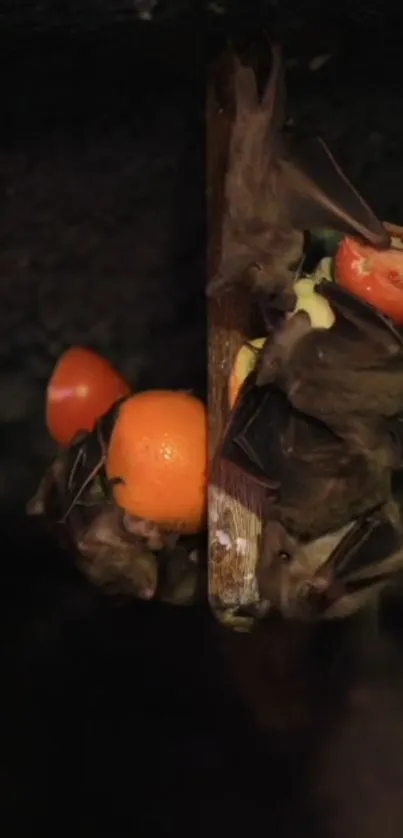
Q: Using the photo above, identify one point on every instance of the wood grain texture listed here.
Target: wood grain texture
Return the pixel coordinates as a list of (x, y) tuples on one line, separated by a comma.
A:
[(234, 502)]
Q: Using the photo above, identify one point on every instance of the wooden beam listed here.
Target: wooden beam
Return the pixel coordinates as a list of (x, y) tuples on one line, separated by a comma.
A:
[(235, 503)]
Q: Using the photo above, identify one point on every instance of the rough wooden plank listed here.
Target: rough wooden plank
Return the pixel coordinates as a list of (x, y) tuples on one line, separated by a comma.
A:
[(234, 502)]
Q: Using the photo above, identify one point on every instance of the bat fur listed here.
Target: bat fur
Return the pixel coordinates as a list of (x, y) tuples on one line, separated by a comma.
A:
[(320, 422), (275, 188), (121, 553)]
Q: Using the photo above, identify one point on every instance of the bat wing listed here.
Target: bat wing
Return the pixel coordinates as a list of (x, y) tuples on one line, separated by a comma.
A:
[(85, 463), (277, 445), (351, 372), (272, 190), (319, 194), (255, 145), (259, 120), (274, 96), (251, 211), (361, 321), (368, 555)]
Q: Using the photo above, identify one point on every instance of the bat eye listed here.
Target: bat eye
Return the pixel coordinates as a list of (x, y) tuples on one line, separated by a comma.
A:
[(284, 556)]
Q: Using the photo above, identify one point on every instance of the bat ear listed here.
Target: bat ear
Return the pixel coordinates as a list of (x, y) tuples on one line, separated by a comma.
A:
[(320, 195), (246, 76), (371, 557), (234, 84), (258, 119)]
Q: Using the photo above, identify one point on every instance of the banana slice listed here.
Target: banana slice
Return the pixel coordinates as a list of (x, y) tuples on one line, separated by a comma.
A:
[(317, 308)]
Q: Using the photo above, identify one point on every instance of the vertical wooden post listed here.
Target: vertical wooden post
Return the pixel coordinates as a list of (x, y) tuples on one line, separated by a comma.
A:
[(235, 503)]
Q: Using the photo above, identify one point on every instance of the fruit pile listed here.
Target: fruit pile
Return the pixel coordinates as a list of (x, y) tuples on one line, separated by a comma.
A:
[(130, 477), (156, 457), (373, 276)]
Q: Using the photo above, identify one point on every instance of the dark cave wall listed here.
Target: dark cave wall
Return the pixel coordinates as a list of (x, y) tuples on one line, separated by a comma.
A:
[(355, 101)]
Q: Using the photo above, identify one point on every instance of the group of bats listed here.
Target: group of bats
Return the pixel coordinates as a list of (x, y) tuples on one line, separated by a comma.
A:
[(116, 551), (320, 420)]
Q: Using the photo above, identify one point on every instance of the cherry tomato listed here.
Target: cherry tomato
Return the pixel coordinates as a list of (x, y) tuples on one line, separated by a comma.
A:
[(376, 276), (82, 388)]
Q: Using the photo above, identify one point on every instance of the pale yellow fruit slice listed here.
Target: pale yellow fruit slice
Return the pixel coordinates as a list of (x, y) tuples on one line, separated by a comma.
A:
[(317, 308), (243, 365)]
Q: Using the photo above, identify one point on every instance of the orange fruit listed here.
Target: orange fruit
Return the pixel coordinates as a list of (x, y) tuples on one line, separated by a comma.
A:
[(158, 449), (83, 387)]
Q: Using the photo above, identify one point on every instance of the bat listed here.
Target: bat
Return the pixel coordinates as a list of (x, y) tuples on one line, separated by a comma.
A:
[(74, 497), (76, 480), (111, 558), (275, 188), (335, 574), (350, 376), (333, 533), (115, 550), (319, 424), (315, 480)]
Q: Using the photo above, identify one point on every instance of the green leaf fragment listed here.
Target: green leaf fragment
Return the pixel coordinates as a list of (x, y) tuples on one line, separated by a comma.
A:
[(327, 240)]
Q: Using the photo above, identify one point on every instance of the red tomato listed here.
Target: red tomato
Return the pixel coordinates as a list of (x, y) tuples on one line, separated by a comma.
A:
[(376, 276), (82, 388)]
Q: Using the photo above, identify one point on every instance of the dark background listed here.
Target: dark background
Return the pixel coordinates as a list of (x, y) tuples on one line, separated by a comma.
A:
[(118, 719)]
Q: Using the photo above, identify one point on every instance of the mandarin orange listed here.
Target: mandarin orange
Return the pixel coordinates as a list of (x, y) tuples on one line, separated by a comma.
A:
[(158, 449)]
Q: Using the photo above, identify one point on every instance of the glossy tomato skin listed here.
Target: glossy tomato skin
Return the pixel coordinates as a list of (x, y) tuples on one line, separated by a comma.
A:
[(82, 388), (374, 276)]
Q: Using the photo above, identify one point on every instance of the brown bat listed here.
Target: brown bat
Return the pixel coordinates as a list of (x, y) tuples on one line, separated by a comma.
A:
[(114, 549), (349, 377), (275, 188), (333, 531), (319, 423), (335, 574), (73, 498)]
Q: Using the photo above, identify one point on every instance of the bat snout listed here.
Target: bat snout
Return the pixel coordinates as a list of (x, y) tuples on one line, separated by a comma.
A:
[(311, 599)]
